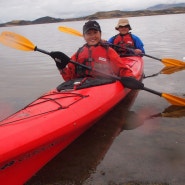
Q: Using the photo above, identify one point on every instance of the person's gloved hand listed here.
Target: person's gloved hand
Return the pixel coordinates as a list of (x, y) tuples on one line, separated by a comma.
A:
[(60, 58)]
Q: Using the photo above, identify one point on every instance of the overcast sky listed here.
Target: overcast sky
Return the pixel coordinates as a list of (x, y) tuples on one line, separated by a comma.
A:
[(34, 9)]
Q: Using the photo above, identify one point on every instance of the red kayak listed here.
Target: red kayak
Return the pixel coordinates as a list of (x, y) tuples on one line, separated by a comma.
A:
[(35, 134)]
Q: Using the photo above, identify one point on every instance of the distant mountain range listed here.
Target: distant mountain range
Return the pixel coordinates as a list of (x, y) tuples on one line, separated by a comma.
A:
[(165, 6), (159, 9)]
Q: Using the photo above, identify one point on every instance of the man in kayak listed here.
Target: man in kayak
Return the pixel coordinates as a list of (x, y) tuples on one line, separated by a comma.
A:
[(126, 43), (95, 54)]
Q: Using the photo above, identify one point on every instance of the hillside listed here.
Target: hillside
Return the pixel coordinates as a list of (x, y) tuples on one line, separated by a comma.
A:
[(155, 10), (118, 13)]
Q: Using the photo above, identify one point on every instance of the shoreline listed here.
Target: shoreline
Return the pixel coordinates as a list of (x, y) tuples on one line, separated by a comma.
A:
[(97, 16)]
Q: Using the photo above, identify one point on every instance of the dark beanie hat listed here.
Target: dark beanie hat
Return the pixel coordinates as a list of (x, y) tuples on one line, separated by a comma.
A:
[(91, 25)]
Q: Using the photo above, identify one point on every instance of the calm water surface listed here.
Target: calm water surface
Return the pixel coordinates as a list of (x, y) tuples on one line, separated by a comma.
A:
[(151, 150)]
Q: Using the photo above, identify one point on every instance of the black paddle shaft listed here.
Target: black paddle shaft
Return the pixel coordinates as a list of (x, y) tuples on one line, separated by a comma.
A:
[(130, 49), (128, 82), (41, 50), (152, 91)]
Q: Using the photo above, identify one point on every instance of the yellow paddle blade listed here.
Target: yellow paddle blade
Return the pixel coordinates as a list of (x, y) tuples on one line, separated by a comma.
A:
[(172, 62), (174, 100), (70, 31), (16, 41), (172, 69)]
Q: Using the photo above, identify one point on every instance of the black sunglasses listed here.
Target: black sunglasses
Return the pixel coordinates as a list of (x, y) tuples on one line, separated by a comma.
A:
[(124, 26)]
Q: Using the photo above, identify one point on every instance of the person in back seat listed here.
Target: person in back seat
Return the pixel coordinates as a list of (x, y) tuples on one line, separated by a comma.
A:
[(126, 43)]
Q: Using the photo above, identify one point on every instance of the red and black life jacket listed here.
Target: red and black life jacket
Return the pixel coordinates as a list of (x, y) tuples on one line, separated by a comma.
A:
[(121, 42), (94, 56)]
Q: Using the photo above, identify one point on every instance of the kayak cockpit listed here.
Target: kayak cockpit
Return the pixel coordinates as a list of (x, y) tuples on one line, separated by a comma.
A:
[(82, 83)]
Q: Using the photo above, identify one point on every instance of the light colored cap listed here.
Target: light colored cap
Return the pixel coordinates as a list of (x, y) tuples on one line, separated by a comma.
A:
[(123, 22)]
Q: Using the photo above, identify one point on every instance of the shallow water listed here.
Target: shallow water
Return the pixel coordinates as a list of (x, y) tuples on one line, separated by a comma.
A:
[(141, 141)]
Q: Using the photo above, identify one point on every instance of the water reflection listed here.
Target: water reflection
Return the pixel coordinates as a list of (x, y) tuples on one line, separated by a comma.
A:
[(75, 164), (172, 112), (167, 70), (134, 120)]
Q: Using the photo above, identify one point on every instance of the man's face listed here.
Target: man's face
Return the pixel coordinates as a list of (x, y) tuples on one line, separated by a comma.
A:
[(123, 29)]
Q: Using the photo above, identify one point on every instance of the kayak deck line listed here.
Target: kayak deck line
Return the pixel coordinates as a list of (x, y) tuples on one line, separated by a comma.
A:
[(63, 89), (47, 98), (44, 97)]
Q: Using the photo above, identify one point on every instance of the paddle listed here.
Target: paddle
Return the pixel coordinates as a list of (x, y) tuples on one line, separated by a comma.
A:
[(16, 41), (134, 120), (70, 31), (167, 70), (172, 69), (172, 111), (165, 61)]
